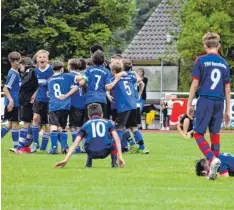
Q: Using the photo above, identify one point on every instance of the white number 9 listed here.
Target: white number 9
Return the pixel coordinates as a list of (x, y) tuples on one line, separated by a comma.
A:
[(215, 78)]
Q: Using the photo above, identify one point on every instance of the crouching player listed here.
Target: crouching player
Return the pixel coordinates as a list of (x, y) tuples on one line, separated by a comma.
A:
[(59, 91), (98, 144), (226, 168)]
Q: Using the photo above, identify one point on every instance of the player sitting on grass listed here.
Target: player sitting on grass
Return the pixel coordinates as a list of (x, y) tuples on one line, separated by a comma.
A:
[(59, 91), (99, 144), (211, 82), (11, 102), (226, 168)]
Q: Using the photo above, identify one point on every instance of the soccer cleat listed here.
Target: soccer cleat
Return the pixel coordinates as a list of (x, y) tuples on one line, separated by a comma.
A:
[(64, 150), (114, 165), (134, 149), (144, 151), (214, 165), (162, 129), (22, 150), (35, 147), (53, 151), (89, 163), (167, 128)]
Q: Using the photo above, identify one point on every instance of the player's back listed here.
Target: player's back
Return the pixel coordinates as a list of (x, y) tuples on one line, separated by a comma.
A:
[(213, 72), (125, 95), (59, 84), (227, 163), (43, 76), (98, 77), (79, 97), (97, 133)]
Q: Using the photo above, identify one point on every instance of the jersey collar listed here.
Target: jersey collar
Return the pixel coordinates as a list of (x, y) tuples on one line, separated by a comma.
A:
[(44, 69), (14, 71), (95, 117)]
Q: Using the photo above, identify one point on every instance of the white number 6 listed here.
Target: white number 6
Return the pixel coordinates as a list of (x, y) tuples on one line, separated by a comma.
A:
[(215, 78)]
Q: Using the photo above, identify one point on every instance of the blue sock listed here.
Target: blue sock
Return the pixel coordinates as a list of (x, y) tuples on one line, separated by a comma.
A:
[(128, 137), (22, 137), (4, 131), (63, 139), (124, 142), (45, 140), (29, 139), (35, 133), (139, 139), (120, 134), (15, 137), (54, 139), (74, 135)]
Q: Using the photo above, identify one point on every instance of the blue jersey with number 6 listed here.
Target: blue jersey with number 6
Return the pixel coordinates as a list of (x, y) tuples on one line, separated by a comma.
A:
[(97, 133), (125, 94), (98, 77), (59, 84), (213, 73)]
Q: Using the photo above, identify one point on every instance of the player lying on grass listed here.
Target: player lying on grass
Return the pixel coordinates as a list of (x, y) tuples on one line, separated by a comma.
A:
[(211, 82), (99, 143), (226, 168)]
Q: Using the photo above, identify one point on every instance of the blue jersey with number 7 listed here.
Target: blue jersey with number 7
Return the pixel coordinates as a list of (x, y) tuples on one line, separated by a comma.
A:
[(98, 77), (213, 73), (60, 84)]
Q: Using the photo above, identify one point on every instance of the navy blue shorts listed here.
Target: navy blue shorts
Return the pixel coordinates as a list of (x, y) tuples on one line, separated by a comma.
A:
[(209, 113), (98, 154)]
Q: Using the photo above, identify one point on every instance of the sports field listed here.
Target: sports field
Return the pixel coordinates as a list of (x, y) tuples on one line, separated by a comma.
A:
[(165, 179)]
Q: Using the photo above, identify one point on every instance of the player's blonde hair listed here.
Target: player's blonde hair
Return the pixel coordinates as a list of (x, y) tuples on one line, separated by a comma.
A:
[(116, 66), (40, 52), (211, 40)]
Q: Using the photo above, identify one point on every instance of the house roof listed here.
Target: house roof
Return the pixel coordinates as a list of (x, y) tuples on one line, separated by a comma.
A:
[(151, 41)]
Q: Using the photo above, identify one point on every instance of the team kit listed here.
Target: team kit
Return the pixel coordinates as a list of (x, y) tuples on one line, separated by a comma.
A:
[(100, 105)]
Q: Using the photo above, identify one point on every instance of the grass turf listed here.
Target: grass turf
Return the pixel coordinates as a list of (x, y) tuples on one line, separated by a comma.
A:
[(164, 179)]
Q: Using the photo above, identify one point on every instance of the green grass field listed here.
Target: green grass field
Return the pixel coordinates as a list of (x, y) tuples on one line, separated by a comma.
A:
[(165, 179)]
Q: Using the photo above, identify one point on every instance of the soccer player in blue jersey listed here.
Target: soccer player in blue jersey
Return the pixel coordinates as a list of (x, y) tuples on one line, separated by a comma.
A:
[(99, 143), (211, 82), (11, 91), (226, 168), (77, 111), (125, 99), (59, 91), (40, 108)]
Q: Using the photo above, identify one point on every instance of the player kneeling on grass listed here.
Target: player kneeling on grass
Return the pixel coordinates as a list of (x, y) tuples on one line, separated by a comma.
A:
[(185, 126), (226, 168), (98, 133)]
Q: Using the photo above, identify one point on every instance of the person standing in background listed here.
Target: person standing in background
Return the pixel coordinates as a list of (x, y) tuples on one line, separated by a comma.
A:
[(141, 73)]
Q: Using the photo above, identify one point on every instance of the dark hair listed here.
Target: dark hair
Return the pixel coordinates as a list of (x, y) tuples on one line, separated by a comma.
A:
[(94, 109), (82, 64), (14, 56), (89, 62), (127, 64), (142, 70), (117, 56), (74, 63), (57, 65), (95, 48), (199, 167), (26, 61), (98, 58)]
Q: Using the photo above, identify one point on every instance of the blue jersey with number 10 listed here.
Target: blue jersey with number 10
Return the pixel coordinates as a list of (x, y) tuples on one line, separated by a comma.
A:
[(213, 72), (59, 84), (97, 133)]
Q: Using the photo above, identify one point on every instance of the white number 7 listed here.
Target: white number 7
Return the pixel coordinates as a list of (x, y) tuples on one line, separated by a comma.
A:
[(98, 80), (215, 77)]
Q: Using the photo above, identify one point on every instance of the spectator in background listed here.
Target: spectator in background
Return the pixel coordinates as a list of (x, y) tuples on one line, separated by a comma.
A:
[(165, 116), (141, 73)]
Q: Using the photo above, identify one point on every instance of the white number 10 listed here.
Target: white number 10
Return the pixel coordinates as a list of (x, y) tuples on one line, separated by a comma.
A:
[(98, 129), (215, 77)]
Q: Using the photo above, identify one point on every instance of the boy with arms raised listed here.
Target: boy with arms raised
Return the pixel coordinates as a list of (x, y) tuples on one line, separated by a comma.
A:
[(11, 102), (211, 82), (98, 144)]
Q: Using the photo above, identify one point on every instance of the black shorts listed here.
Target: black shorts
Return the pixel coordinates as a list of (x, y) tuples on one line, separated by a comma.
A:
[(126, 119), (138, 115), (76, 117), (26, 112), (98, 155), (59, 118), (12, 116), (114, 114), (104, 110), (41, 108)]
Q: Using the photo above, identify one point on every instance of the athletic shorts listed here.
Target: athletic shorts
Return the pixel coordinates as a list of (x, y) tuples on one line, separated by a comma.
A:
[(26, 112), (12, 116), (41, 108), (114, 114), (98, 154), (126, 119), (104, 110), (138, 115), (209, 113), (59, 118), (76, 117)]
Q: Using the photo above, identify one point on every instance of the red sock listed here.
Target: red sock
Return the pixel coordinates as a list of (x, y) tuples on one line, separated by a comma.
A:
[(215, 143)]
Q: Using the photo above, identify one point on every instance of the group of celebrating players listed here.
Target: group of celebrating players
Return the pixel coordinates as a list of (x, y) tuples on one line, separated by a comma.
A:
[(82, 95)]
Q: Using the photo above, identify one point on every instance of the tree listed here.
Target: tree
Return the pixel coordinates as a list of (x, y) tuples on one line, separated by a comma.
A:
[(63, 27), (195, 19)]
